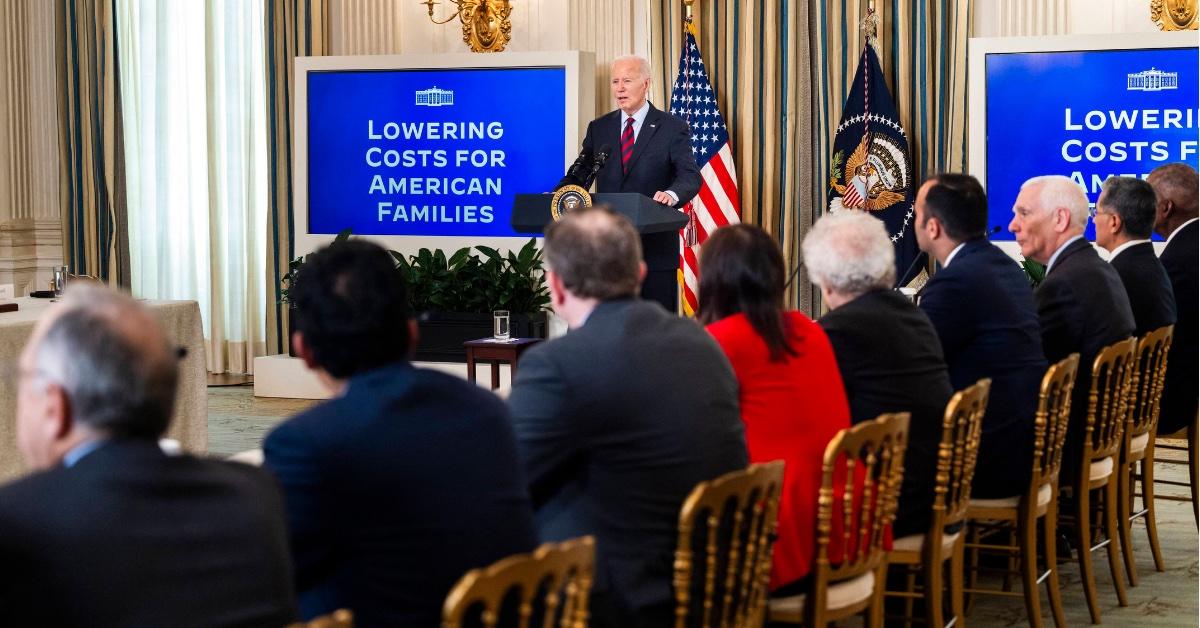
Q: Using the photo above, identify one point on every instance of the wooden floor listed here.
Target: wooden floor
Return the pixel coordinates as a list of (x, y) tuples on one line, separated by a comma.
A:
[(238, 421)]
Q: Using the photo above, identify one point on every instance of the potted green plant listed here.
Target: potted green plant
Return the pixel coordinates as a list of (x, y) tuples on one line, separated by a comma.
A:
[(288, 282)]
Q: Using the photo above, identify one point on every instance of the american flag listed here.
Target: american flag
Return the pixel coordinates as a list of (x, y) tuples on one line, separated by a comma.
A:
[(717, 204)]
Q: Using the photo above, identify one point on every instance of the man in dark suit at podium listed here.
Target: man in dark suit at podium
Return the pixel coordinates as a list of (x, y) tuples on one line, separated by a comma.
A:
[(650, 150), (1176, 220), (1124, 217), (982, 308)]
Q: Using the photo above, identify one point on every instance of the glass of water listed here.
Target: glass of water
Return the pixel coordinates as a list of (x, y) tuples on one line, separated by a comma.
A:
[(60, 280), (500, 324)]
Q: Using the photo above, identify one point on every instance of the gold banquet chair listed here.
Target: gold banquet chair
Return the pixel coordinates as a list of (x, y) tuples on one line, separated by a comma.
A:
[(962, 426), (341, 618), (1137, 445), (1040, 501), (871, 457), (736, 514), (562, 571), (1108, 403), (1191, 451)]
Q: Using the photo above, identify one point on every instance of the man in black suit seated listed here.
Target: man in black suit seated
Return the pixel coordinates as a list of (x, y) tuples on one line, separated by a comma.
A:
[(109, 530), (1081, 303), (650, 150), (1124, 216), (886, 348), (1175, 219), (982, 308), (407, 478), (618, 420)]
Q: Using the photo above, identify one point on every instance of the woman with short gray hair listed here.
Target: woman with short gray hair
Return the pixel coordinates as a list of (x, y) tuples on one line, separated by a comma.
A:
[(847, 254)]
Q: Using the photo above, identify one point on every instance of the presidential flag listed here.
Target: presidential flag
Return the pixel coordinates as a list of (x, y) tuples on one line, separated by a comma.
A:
[(717, 204), (870, 168)]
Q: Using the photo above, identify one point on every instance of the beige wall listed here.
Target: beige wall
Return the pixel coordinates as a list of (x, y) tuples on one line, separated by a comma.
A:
[(30, 230), (1004, 18)]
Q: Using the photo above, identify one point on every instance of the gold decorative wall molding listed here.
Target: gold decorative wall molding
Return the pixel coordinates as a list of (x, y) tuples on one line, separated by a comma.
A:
[(1174, 15)]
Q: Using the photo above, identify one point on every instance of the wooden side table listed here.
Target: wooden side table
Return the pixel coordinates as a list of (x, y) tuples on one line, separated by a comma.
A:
[(497, 351)]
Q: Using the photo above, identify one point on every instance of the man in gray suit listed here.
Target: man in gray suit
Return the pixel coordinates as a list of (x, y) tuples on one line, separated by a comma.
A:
[(619, 419)]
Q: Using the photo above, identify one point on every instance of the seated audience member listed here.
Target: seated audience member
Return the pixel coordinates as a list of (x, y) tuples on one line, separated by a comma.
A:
[(886, 349), (789, 388), (1175, 186), (407, 478), (618, 420), (110, 530), (982, 308), (1124, 217), (1081, 304)]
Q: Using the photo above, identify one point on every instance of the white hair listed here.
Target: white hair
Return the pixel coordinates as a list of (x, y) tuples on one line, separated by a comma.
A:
[(1056, 191), (643, 65), (849, 252)]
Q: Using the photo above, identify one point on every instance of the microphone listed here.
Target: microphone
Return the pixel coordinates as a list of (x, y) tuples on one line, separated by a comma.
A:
[(917, 261), (991, 232), (597, 164), (578, 170), (792, 275)]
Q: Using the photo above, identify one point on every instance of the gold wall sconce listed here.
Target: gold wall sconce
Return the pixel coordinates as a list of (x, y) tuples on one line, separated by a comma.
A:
[(1174, 15), (485, 23)]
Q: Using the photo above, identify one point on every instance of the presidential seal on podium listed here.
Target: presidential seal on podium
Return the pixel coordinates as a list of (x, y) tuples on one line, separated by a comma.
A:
[(569, 198)]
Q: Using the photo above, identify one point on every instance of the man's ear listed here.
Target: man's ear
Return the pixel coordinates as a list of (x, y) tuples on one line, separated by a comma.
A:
[(414, 338), (1061, 219), (303, 351), (59, 421), (641, 272), (1115, 224), (557, 290)]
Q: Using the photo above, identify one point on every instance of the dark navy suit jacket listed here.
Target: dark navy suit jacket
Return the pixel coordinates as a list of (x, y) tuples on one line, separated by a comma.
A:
[(617, 422), (982, 308), (1179, 394), (395, 490), (662, 157), (1083, 308), (1148, 287)]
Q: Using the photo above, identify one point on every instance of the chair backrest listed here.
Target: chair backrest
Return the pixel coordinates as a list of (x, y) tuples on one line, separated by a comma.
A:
[(865, 463), (341, 618), (1150, 361), (1050, 422), (562, 572), (962, 426), (736, 514), (1108, 400)]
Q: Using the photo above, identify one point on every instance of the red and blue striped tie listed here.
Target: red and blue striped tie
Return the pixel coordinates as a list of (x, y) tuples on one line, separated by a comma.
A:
[(626, 145)]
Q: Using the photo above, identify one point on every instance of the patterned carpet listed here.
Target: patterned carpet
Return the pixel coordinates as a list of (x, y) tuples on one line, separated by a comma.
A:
[(238, 421)]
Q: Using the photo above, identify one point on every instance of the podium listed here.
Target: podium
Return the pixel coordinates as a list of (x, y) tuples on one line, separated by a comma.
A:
[(658, 224)]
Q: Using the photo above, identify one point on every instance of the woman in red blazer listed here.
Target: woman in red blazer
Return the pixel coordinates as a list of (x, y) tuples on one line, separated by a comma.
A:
[(791, 393)]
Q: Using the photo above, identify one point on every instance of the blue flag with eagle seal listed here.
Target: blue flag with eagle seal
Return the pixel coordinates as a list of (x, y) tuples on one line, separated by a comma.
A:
[(870, 168)]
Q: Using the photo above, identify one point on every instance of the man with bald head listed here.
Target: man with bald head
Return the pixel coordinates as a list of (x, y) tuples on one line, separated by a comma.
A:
[(1082, 305), (109, 530), (1175, 219)]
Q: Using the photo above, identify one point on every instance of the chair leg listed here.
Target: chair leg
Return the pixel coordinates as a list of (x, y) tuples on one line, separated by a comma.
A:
[(1148, 504), (1012, 561), (972, 568), (1050, 530), (1124, 479), (933, 590), (1194, 475), (1112, 532), (910, 585), (1084, 538), (1027, 541), (956, 585), (874, 617)]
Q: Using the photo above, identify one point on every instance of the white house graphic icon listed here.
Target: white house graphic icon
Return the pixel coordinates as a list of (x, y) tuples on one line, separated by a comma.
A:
[(434, 97), (1152, 80)]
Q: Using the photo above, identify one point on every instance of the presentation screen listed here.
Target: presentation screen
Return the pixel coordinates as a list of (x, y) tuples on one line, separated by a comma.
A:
[(431, 152), (1086, 114)]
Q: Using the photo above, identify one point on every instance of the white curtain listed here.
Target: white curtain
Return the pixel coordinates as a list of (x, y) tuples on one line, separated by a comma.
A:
[(192, 88)]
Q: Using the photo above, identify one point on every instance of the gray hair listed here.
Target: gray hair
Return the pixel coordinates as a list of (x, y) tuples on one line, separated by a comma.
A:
[(1057, 191), (112, 359), (849, 252), (1133, 200), (643, 65)]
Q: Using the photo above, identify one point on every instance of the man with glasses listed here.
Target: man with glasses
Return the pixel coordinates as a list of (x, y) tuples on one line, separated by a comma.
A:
[(1124, 216), (110, 530)]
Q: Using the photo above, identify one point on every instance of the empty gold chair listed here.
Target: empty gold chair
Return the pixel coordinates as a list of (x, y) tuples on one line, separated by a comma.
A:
[(962, 425), (341, 618), (736, 516), (866, 462), (1191, 450), (1137, 445), (563, 571), (1040, 501), (1108, 403)]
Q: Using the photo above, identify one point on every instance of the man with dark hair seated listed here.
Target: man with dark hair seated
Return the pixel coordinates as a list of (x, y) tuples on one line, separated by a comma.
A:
[(407, 478), (982, 307), (110, 530)]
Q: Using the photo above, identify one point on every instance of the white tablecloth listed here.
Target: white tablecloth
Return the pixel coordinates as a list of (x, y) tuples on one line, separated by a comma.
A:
[(180, 319)]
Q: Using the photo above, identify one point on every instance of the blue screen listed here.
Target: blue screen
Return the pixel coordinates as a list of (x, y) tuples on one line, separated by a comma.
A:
[(1086, 115), (431, 152)]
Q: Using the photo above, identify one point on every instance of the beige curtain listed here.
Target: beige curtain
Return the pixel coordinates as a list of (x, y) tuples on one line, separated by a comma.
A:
[(293, 28), (92, 178)]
